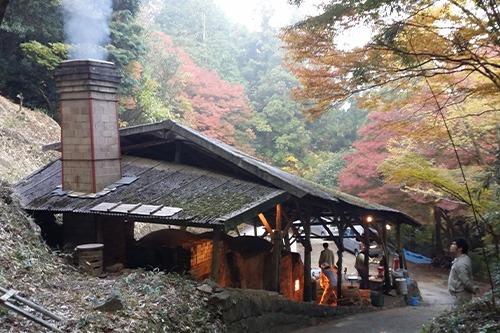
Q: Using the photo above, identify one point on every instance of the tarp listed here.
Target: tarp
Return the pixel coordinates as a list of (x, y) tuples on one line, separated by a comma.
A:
[(416, 258)]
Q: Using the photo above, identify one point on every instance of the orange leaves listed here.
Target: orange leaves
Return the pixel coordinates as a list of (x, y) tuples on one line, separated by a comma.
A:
[(443, 42)]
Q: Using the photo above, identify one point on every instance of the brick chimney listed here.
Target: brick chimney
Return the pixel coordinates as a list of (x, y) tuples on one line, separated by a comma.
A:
[(89, 124)]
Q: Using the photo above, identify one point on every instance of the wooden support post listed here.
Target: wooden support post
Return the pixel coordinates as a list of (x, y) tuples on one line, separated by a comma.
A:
[(216, 254), (277, 240), (276, 260), (437, 221), (340, 252), (398, 245), (307, 260), (255, 228), (285, 232), (278, 217), (366, 241), (387, 278), (286, 237)]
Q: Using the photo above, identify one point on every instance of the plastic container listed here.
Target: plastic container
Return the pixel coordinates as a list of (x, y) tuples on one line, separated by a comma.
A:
[(377, 298), (413, 301), (401, 286)]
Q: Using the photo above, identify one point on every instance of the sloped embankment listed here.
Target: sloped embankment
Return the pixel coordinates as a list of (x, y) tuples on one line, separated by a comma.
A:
[(22, 133), (152, 301)]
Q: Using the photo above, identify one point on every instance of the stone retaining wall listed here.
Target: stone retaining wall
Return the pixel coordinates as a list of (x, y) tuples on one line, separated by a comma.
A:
[(264, 311)]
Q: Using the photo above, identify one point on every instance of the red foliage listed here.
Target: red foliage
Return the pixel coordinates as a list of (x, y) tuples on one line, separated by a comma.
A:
[(360, 176), (216, 104)]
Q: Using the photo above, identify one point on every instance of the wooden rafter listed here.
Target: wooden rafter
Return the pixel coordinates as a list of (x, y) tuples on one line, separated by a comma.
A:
[(264, 222)]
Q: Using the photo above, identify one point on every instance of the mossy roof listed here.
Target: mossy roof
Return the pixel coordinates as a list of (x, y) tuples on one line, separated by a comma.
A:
[(205, 197), (274, 183)]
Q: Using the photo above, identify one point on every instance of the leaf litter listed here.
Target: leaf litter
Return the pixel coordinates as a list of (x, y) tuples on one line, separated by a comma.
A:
[(152, 301)]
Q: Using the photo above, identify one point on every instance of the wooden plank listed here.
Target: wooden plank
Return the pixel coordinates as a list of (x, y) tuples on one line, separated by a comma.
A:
[(30, 316), (7, 295), (287, 241), (32, 305), (366, 241), (307, 260), (139, 129), (340, 252), (278, 217), (387, 278), (276, 260), (264, 222), (129, 148)]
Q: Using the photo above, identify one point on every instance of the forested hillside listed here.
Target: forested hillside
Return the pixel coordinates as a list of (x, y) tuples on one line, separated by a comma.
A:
[(270, 92), (196, 67)]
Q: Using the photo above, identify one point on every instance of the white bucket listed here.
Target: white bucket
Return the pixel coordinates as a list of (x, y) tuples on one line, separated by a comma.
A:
[(401, 286)]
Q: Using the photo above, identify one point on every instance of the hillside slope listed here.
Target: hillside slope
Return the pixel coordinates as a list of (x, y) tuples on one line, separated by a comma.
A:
[(152, 301), (22, 133)]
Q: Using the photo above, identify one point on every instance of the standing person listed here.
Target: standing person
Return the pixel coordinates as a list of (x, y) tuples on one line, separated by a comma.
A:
[(359, 264), (326, 256), (460, 280), (328, 282)]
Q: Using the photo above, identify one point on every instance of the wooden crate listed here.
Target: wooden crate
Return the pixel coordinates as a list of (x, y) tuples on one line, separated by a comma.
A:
[(90, 258)]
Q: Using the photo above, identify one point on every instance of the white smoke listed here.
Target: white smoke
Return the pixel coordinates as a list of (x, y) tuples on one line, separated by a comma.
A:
[(86, 27)]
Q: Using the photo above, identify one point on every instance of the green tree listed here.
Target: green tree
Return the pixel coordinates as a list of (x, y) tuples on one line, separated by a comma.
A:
[(30, 34)]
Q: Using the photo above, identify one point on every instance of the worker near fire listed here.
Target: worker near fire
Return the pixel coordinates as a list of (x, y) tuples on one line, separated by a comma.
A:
[(326, 256), (359, 263), (460, 283), (328, 282)]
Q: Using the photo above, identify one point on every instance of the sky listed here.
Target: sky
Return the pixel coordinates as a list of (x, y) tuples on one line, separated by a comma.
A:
[(248, 13)]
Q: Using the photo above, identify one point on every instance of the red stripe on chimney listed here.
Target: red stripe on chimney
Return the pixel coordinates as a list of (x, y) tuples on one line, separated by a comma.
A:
[(118, 137), (92, 152), (62, 144)]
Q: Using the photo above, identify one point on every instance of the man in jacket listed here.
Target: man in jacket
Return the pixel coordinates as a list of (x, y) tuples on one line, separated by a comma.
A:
[(326, 256), (460, 280)]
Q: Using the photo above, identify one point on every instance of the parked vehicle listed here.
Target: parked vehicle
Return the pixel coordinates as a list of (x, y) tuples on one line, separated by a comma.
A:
[(352, 243)]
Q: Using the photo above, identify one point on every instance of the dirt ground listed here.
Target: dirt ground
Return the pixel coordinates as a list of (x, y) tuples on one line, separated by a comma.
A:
[(432, 283)]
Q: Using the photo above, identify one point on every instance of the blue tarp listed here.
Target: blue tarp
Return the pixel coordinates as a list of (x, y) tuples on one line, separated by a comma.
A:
[(416, 258)]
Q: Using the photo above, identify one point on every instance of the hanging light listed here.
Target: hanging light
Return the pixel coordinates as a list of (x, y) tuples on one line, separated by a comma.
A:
[(369, 218), (388, 226)]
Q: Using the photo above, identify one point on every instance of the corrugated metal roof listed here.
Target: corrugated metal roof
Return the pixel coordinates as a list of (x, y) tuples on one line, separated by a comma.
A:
[(202, 197)]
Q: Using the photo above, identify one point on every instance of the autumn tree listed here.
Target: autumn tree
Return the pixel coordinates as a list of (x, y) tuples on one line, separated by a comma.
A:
[(203, 100), (425, 57), (444, 42)]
